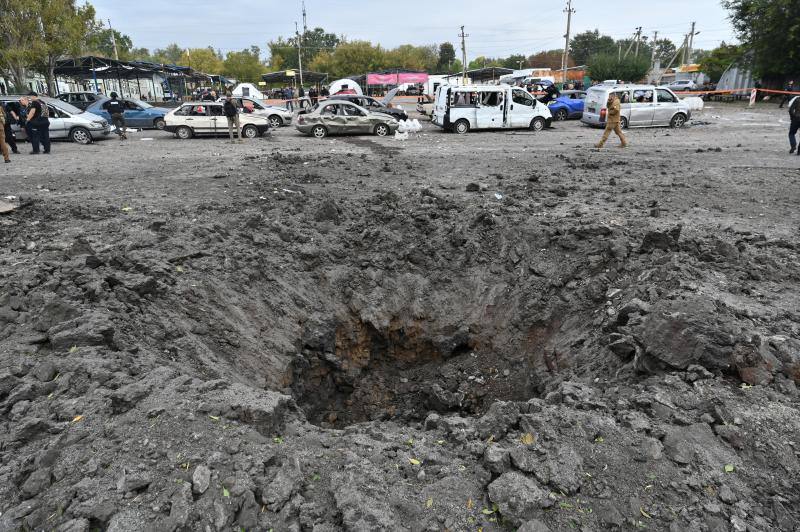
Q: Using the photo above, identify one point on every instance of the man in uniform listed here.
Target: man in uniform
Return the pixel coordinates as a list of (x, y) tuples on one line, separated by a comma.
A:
[(3, 122), (232, 114), (116, 109), (613, 122), (794, 123), (11, 118), (38, 124)]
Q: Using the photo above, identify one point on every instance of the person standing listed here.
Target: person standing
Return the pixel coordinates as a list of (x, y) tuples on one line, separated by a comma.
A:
[(116, 109), (794, 124), (232, 114), (613, 122), (789, 87), (39, 124), (11, 118), (3, 122)]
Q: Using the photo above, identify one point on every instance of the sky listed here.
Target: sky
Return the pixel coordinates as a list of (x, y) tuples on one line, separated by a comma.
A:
[(496, 28)]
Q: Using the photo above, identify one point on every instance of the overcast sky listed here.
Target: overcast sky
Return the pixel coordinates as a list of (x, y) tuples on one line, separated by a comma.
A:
[(495, 27)]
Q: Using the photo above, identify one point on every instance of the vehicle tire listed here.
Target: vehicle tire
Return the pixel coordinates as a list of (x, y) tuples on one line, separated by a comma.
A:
[(538, 123), (623, 122), (561, 115), (382, 130), (80, 135), (160, 124), (461, 127), (250, 131), (184, 133), (319, 132), (678, 121), (275, 121)]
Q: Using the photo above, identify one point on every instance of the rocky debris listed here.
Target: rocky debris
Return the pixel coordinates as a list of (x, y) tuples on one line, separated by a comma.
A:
[(519, 498), (663, 240), (201, 479), (89, 330)]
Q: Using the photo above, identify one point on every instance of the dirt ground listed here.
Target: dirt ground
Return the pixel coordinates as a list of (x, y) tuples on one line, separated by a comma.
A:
[(497, 331)]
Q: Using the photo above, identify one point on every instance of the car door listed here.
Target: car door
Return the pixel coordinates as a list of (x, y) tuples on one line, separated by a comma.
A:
[(197, 118), (217, 122), (355, 119), (664, 108), (520, 111), (57, 119), (642, 107), (135, 116), (489, 113), (330, 117)]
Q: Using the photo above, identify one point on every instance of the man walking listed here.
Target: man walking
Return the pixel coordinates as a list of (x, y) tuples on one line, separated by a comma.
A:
[(39, 124), (613, 122), (232, 114), (3, 123), (116, 109), (789, 87), (794, 125)]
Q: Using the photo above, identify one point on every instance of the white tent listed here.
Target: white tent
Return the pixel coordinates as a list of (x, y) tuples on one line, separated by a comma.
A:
[(343, 85), (248, 90)]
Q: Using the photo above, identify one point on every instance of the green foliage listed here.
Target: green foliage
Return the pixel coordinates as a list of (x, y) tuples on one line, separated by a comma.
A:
[(100, 42), (283, 51), (589, 43), (771, 29), (244, 66), (447, 56), (202, 60), (549, 59), (715, 62), (515, 61), (609, 66), (171, 55)]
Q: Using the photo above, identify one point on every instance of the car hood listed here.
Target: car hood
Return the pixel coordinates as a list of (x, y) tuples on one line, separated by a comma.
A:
[(383, 116), (390, 96)]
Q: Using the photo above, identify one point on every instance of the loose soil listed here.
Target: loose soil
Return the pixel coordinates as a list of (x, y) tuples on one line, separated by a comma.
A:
[(497, 331)]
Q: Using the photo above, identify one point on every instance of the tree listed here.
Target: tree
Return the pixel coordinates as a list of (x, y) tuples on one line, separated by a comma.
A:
[(20, 40), (719, 59), (203, 60), (100, 42), (244, 66), (516, 61), (585, 45), (549, 59), (665, 50), (351, 58), (770, 29), (412, 57), (171, 55), (484, 62), (447, 54), (610, 66), (283, 51)]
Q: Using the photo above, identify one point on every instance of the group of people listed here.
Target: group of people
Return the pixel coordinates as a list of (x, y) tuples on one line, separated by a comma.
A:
[(33, 116)]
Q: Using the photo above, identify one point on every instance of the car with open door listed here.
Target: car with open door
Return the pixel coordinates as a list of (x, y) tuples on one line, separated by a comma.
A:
[(340, 117), (277, 116), (384, 105), (193, 119), (138, 114)]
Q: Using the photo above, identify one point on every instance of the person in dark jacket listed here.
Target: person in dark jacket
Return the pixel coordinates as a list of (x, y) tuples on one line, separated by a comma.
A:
[(794, 124), (3, 147), (38, 117), (789, 87), (232, 114), (116, 108), (11, 118), (550, 94)]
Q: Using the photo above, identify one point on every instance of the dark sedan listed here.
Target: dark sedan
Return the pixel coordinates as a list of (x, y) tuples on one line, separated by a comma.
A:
[(372, 104)]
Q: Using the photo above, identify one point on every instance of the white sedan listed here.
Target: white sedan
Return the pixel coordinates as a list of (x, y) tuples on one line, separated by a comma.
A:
[(207, 118), (277, 116)]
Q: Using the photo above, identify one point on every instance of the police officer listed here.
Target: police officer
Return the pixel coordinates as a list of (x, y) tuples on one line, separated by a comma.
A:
[(38, 117), (794, 124), (613, 122), (116, 109)]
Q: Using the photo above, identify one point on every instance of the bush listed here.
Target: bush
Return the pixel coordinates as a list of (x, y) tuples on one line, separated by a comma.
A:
[(609, 66)]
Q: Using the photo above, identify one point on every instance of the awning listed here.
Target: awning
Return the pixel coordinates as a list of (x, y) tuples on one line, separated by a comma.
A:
[(289, 76)]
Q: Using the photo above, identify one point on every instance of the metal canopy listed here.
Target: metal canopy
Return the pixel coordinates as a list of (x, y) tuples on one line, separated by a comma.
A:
[(284, 76)]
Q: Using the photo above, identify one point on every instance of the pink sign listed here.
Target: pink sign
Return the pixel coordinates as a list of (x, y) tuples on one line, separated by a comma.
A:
[(397, 79)]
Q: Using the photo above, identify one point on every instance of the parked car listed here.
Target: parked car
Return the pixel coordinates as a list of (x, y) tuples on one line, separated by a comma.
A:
[(567, 106), (641, 106), (682, 85), (66, 122), (373, 104), (277, 116), (137, 113), (207, 118), (81, 100), (337, 117), (468, 107)]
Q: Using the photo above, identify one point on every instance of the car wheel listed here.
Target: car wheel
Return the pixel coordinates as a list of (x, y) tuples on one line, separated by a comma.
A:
[(184, 133), (160, 124), (80, 135), (250, 131), (382, 130), (461, 127), (319, 132), (275, 121), (538, 123), (623, 122), (678, 121), (561, 115)]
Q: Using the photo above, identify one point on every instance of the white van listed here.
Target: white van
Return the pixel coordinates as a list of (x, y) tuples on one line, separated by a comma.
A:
[(641, 106), (461, 109)]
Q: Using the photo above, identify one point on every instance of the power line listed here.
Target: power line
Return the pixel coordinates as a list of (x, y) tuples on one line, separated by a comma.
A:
[(565, 56)]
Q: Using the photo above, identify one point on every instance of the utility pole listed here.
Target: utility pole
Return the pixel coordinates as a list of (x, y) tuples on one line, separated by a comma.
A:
[(691, 44), (305, 22), (634, 40), (299, 52), (113, 40), (638, 40), (463, 55), (565, 57), (681, 49), (653, 54)]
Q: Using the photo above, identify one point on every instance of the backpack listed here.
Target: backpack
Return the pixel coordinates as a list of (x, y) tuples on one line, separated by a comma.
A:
[(45, 110)]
